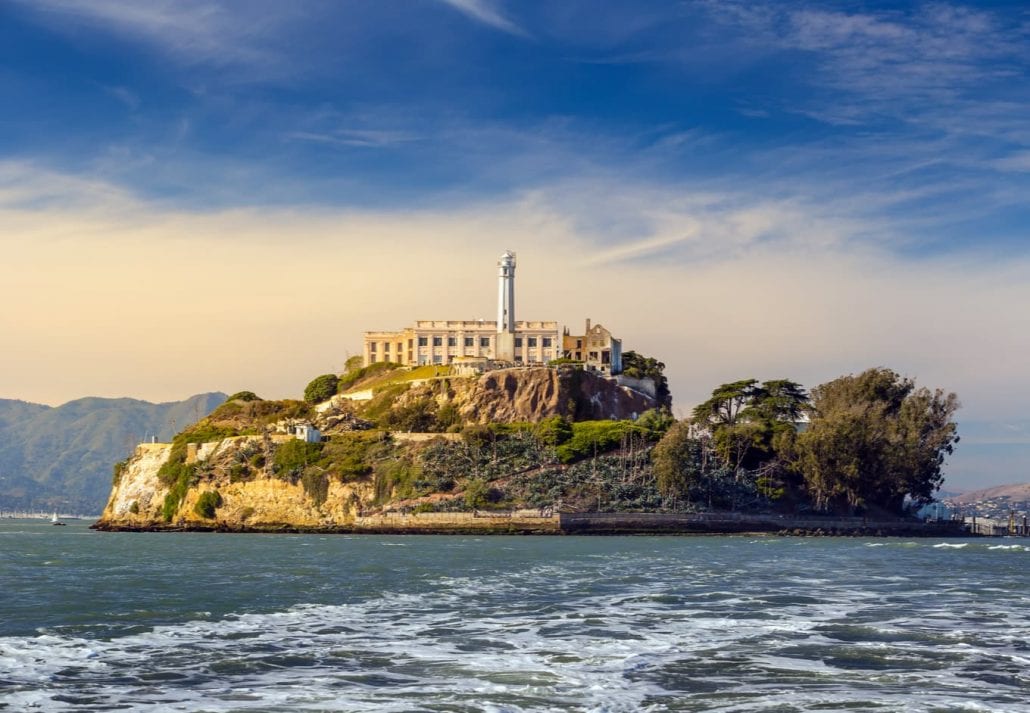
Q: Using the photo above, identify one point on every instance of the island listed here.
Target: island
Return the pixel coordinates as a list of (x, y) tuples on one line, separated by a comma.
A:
[(506, 426)]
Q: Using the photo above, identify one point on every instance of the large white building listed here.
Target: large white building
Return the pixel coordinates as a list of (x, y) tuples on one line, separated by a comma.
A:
[(444, 341)]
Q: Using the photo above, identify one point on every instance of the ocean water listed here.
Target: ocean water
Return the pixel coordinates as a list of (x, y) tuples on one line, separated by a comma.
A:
[(213, 622)]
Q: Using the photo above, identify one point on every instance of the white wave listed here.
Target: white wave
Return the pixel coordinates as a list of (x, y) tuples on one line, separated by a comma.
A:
[(630, 632), (951, 545)]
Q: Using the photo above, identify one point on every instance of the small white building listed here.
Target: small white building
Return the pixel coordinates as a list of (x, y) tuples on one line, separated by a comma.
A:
[(305, 432)]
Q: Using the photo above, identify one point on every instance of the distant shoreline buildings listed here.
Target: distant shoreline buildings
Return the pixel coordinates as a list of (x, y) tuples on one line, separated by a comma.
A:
[(504, 341)]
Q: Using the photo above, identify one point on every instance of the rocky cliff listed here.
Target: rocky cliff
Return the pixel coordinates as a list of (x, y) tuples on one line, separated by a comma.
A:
[(509, 395), (495, 469)]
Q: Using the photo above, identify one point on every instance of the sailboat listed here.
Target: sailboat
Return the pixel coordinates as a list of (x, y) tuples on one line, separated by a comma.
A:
[(55, 520)]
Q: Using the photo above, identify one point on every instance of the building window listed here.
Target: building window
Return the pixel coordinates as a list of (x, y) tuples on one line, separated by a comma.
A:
[(423, 341), (400, 347), (411, 343), (484, 342), (518, 341), (437, 359), (518, 359), (547, 341), (532, 341), (452, 341), (470, 341), (386, 347), (372, 359), (372, 347), (437, 341), (579, 344)]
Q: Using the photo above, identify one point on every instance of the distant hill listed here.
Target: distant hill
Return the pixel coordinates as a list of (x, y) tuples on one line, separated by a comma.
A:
[(61, 457), (1015, 492)]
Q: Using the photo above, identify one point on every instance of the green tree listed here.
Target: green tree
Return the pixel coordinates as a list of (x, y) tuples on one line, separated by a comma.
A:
[(656, 421), (640, 367), (321, 388), (476, 492), (243, 396), (729, 403), (874, 439), (748, 419), (676, 461), (353, 363), (553, 431)]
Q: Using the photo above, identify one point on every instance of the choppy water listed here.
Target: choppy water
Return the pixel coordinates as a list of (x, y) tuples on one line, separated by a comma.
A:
[(209, 622)]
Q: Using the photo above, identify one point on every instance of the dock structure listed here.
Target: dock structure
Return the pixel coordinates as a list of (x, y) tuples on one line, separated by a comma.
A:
[(1014, 525)]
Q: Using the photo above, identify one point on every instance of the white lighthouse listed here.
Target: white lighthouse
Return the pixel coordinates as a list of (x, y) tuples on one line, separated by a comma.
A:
[(506, 307)]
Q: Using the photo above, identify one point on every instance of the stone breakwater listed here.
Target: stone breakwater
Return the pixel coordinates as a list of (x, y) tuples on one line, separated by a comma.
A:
[(534, 523)]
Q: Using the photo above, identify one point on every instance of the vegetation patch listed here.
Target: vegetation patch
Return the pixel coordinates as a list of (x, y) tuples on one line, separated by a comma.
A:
[(244, 396), (316, 485), (322, 388), (293, 457), (363, 376), (207, 504), (119, 469), (590, 438), (349, 456)]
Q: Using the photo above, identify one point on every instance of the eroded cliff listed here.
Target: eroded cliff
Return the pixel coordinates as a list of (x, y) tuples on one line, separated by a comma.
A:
[(516, 443)]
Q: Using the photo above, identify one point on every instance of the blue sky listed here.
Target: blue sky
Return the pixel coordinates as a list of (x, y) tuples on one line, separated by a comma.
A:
[(915, 115), (796, 189)]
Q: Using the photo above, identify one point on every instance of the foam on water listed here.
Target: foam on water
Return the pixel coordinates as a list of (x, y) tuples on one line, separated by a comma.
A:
[(712, 624)]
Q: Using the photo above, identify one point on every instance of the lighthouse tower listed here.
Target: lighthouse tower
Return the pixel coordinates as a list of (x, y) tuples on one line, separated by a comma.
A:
[(506, 307)]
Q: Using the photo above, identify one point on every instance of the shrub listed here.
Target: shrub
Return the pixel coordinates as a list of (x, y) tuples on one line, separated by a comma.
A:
[(395, 478), (119, 469), (316, 485), (238, 472), (176, 493), (134, 508), (322, 388), (293, 456), (477, 434), (475, 493), (207, 503), (418, 416), (656, 421), (553, 431), (244, 396), (349, 456), (595, 437)]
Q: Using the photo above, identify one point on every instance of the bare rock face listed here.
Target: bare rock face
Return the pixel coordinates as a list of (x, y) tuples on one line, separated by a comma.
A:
[(533, 394)]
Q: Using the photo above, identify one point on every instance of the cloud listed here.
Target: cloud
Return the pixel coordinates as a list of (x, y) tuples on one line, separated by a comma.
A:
[(929, 65), (160, 302), (1018, 162), (488, 13), (368, 138), (191, 31)]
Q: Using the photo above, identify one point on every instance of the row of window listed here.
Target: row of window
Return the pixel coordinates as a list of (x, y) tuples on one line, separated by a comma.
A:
[(439, 359), (484, 342)]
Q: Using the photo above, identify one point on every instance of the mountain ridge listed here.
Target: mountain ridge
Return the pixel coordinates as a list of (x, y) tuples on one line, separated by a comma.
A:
[(60, 457)]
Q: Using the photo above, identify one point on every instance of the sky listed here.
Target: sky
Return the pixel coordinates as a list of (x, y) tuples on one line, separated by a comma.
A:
[(201, 195)]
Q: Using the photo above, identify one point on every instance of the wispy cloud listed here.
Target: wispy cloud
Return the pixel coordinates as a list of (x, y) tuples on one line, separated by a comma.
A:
[(191, 31), (750, 282), (368, 138), (487, 12), (912, 64)]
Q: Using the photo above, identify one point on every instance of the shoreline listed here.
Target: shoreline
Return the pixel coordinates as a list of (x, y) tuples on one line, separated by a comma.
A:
[(597, 524)]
